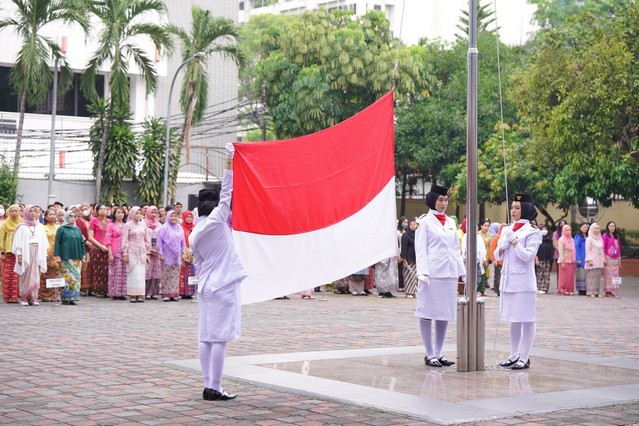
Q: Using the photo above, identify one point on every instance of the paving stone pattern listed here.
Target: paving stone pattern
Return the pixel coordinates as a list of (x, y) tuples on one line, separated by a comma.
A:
[(104, 362)]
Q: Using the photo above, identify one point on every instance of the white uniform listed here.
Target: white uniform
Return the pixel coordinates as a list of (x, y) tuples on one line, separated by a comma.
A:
[(439, 258), (219, 271), (518, 284)]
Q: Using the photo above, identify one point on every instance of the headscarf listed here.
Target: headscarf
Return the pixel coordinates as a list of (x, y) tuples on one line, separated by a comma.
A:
[(187, 227), (65, 221), (152, 224), (132, 213), (11, 223), (171, 234), (596, 239), (567, 241), (26, 220)]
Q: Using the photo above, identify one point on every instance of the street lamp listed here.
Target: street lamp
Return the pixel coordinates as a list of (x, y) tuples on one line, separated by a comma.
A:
[(167, 145), (54, 107)]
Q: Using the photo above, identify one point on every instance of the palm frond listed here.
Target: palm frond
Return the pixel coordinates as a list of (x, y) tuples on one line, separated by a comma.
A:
[(146, 65)]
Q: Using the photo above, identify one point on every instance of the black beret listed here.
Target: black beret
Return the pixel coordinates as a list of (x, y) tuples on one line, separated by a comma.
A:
[(440, 190), (523, 198)]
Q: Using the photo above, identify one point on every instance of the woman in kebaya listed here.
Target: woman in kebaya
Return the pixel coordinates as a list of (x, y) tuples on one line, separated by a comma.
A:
[(171, 248), (30, 245)]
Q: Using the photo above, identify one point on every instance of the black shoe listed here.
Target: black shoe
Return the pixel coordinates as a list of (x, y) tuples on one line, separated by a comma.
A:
[(367, 292), (443, 361), (509, 362), (521, 365), (390, 295), (432, 362), (213, 395)]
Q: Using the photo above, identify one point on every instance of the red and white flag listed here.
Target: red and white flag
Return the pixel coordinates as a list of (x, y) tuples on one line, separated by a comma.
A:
[(310, 210)]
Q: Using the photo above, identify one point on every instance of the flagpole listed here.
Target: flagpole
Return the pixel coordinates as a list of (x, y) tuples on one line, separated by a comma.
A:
[(470, 334)]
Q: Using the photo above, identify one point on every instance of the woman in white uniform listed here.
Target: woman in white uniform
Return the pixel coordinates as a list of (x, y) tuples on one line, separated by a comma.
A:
[(219, 272), (517, 247), (439, 267)]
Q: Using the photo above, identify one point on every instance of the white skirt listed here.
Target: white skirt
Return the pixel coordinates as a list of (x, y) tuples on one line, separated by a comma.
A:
[(135, 283), (220, 314), (438, 300), (518, 306)]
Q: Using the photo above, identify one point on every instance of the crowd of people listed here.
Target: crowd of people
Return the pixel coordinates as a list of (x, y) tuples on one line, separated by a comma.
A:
[(587, 264), (138, 253)]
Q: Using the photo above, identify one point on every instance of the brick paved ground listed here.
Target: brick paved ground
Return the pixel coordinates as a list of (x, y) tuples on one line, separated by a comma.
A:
[(104, 362)]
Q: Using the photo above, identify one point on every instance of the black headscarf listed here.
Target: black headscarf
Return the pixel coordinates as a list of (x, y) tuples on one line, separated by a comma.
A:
[(433, 195), (528, 210)]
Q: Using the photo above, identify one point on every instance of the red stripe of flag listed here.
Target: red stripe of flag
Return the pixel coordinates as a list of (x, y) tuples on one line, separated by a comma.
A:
[(311, 182)]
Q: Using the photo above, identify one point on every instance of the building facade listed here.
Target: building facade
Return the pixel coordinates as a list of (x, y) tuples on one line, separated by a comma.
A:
[(73, 159), (411, 20)]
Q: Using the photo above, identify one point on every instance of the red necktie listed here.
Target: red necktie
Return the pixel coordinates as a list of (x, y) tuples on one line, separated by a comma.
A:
[(517, 225), (441, 218)]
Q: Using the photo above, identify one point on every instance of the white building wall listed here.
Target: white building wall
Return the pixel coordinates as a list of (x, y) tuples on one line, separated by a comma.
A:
[(73, 159), (415, 19), (218, 128)]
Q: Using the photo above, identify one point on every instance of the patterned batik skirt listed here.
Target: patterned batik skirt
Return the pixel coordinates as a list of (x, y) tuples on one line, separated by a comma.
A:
[(10, 280), (170, 281), (410, 279), (99, 271), (580, 280), (611, 271), (543, 275), (188, 270), (71, 270), (53, 271), (117, 277)]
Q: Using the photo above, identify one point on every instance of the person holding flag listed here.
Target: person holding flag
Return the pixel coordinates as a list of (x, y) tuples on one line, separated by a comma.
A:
[(219, 271), (439, 267), (517, 247)]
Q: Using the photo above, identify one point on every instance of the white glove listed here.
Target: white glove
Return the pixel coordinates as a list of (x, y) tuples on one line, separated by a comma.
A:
[(513, 239), (423, 279), (230, 150), (504, 240)]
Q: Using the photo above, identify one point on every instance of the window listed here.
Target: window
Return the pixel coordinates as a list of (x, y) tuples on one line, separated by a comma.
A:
[(377, 7), (72, 102)]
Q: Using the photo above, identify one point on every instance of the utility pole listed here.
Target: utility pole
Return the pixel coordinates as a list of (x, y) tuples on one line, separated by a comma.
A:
[(263, 123)]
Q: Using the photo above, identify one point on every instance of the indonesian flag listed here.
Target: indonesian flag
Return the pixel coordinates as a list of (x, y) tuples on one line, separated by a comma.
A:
[(310, 210)]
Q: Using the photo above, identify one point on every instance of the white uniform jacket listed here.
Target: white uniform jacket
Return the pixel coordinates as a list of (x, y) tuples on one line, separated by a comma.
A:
[(518, 271), (215, 260), (437, 248)]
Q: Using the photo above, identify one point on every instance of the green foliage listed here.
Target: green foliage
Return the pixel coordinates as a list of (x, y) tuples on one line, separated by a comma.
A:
[(485, 17), (256, 135), (124, 23), (554, 14), (580, 100), (32, 69), (120, 156), (431, 132), (322, 68), (152, 145), (8, 183), (209, 35)]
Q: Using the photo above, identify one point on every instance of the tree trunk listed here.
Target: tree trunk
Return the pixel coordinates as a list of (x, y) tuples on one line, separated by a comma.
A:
[(23, 107), (186, 130), (105, 137), (402, 209)]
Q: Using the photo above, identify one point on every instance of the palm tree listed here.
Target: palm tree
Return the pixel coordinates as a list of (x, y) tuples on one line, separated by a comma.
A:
[(209, 35), (125, 23), (31, 75)]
